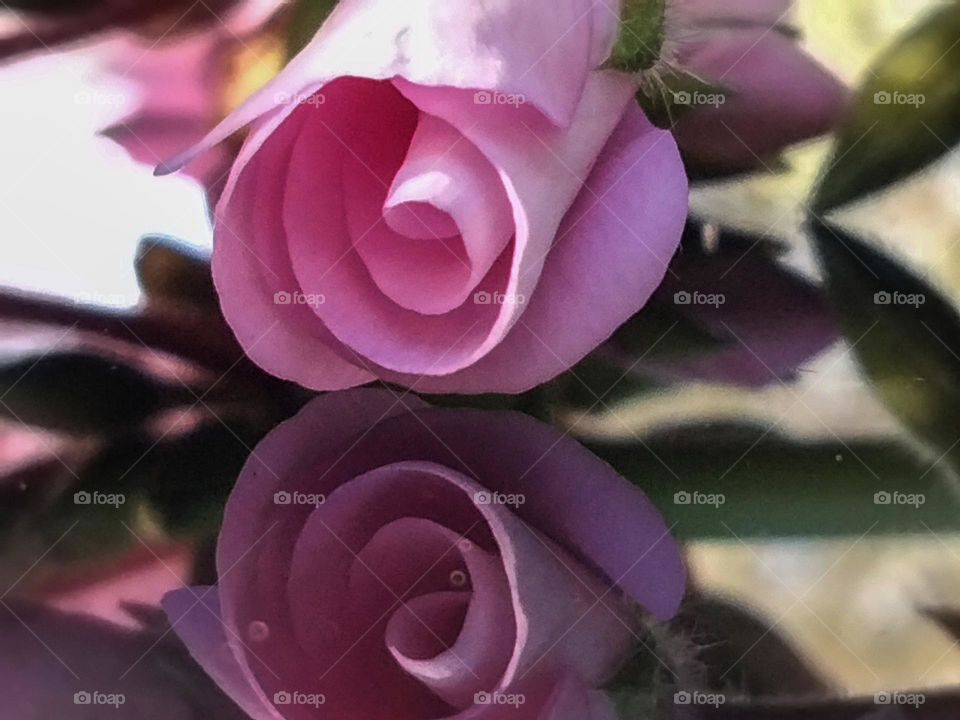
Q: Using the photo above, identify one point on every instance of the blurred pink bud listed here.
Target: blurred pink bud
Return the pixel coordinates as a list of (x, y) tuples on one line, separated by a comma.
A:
[(771, 92)]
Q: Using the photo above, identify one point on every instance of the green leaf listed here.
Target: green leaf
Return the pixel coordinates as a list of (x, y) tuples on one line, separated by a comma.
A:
[(712, 483), (642, 31), (905, 335), (306, 17), (194, 476), (93, 516), (175, 487), (77, 393), (904, 116), (167, 269)]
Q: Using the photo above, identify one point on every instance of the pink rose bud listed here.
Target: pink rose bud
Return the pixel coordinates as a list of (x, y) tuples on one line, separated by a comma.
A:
[(381, 559), (770, 92), (444, 194)]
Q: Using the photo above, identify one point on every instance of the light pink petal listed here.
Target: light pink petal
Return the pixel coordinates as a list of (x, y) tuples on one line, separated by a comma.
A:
[(367, 125), (528, 152), (195, 616), (360, 565), (542, 51), (150, 138), (171, 104), (613, 525), (253, 275), (172, 79), (564, 617), (253, 553), (484, 641), (625, 226), (453, 219), (778, 95), (612, 529)]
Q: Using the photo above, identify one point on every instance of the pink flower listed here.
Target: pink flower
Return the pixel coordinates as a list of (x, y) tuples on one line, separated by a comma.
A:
[(179, 101), (61, 665), (446, 194), (391, 560), (766, 320), (180, 86), (774, 93)]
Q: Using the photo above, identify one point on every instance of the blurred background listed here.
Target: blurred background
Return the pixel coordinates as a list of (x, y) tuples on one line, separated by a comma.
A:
[(868, 603)]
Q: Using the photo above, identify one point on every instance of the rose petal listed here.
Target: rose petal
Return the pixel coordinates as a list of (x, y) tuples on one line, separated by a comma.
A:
[(543, 52), (779, 95), (527, 152), (564, 617), (354, 308), (250, 268), (614, 527), (483, 644), (571, 496), (625, 226), (444, 173), (253, 553), (271, 578), (194, 613)]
